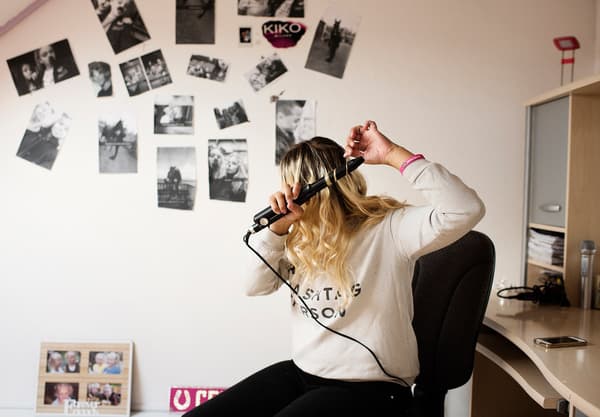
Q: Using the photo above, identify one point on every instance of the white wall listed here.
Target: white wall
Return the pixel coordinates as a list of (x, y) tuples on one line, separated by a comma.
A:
[(89, 256)]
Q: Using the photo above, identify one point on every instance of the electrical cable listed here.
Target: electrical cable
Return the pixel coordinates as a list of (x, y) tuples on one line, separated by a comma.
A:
[(295, 292), (527, 293)]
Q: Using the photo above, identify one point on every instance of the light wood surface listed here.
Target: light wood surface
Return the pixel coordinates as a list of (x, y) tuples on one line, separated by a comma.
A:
[(495, 394), (547, 227), (582, 212), (583, 187), (544, 266), (520, 368), (573, 372), (585, 86)]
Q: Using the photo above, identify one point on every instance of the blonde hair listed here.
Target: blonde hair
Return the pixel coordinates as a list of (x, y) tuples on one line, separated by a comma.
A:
[(320, 240)]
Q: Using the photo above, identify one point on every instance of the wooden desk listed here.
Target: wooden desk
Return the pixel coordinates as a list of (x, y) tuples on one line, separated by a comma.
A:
[(513, 376)]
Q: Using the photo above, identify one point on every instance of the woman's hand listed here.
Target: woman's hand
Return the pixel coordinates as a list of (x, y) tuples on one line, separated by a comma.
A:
[(282, 202), (376, 148)]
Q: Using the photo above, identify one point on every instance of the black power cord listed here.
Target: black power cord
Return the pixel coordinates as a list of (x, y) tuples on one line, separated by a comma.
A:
[(520, 293), (287, 284), (550, 292)]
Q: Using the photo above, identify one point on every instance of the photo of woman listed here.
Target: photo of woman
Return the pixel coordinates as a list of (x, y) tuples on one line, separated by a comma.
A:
[(47, 65)]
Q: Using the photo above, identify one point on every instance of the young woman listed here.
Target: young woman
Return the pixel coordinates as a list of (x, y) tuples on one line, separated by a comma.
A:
[(49, 68), (350, 257)]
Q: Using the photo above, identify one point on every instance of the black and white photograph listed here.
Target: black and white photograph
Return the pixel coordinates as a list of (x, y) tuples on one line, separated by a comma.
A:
[(245, 35), (265, 72), (210, 68), (156, 69), (122, 23), (195, 22), (279, 8), (59, 393), (228, 169), (100, 76), (174, 115), (103, 393), (334, 36), (294, 123), (231, 115), (44, 135), (42, 67), (63, 362), (117, 143), (134, 77), (176, 177)]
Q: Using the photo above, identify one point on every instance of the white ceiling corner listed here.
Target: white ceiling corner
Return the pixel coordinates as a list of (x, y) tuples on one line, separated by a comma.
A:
[(11, 9)]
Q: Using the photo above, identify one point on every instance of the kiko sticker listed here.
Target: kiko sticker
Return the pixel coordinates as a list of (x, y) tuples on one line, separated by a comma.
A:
[(283, 34)]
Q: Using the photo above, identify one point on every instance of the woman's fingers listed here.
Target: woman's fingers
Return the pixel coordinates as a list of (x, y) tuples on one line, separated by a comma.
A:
[(283, 200), (277, 202), (352, 147), (287, 192), (296, 190), (370, 124)]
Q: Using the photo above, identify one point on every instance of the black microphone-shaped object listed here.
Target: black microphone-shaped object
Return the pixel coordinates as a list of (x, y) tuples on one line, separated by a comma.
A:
[(267, 216)]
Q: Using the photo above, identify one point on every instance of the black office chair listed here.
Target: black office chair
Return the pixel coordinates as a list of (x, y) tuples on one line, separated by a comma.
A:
[(451, 288)]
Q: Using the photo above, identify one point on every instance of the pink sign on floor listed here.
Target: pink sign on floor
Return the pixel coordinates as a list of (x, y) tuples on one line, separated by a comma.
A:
[(183, 399)]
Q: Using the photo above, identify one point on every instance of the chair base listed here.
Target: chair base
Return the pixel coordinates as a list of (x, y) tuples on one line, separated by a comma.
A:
[(427, 403)]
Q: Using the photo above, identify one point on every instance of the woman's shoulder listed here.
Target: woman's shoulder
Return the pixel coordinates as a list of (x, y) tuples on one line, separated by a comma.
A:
[(384, 223)]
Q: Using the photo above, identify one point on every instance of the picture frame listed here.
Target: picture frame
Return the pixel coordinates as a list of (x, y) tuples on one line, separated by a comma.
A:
[(42, 67), (90, 378)]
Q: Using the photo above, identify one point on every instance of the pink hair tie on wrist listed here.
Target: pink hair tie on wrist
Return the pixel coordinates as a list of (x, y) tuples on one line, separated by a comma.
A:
[(410, 161)]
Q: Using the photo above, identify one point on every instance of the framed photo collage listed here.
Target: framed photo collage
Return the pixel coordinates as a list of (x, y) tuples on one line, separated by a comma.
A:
[(84, 379)]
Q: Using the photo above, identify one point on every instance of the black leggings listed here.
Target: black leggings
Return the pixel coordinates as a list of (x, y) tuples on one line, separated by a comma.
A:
[(284, 390)]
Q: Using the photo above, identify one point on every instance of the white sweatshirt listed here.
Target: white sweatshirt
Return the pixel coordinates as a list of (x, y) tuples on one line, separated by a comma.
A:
[(382, 259)]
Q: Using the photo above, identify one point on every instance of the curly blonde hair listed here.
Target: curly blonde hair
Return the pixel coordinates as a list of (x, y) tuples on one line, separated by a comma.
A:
[(320, 240)]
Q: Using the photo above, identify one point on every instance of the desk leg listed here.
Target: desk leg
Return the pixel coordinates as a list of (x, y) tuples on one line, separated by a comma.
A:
[(496, 394)]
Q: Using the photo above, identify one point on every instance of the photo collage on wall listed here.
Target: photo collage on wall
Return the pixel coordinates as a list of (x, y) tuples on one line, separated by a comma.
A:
[(245, 35), (173, 114), (44, 136), (265, 72), (101, 78), (332, 43), (228, 169), (47, 65), (294, 123), (93, 378), (195, 22), (176, 177), (117, 143), (273, 8), (147, 72), (210, 68), (97, 376), (231, 115), (122, 23)]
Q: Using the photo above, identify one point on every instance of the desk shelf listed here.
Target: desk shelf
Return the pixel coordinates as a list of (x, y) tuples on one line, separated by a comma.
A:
[(543, 266), (562, 185), (514, 377), (516, 364)]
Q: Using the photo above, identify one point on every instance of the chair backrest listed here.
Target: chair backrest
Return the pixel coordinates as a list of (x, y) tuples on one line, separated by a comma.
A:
[(451, 288)]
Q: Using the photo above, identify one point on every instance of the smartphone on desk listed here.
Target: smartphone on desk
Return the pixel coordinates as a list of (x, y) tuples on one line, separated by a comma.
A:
[(559, 341)]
